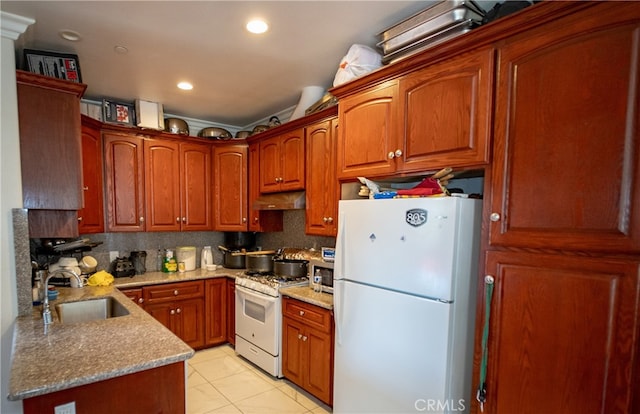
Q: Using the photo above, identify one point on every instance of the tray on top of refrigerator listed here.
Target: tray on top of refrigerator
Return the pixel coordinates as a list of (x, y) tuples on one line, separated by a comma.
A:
[(435, 19)]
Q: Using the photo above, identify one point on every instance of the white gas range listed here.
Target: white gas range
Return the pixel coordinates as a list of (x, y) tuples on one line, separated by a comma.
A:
[(259, 318)]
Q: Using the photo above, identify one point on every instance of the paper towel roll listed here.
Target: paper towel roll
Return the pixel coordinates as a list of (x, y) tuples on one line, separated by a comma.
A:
[(310, 95)]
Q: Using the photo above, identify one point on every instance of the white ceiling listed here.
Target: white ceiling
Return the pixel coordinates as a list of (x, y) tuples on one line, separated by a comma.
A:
[(238, 78)]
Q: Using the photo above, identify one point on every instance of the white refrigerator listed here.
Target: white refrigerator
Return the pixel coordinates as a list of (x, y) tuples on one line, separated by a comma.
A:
[(405, 278)]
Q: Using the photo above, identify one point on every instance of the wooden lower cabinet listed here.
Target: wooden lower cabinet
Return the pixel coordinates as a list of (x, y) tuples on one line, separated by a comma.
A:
[(179, 307), (135, 294), (231, 311), (156, 390), (307, 347), (565, 328), (216, 311)]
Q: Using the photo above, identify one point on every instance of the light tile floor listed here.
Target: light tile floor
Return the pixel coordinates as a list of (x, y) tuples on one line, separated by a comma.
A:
[(219, 381)]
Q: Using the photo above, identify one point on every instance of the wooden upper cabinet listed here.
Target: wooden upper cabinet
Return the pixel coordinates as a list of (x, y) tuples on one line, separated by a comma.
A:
[(91, 216), (162, 185), (230, 184), (196, 187), (368, 132), (282, 162), (566, 170), (178, 185), (446, 113), (322, 188), (50, 143), (259, 220), (124, 176)]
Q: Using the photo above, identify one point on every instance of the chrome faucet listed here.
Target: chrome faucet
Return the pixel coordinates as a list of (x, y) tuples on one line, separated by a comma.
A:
[(46, 312)]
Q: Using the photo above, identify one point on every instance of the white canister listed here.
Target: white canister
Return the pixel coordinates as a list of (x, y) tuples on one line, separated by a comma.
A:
[(187, 254)]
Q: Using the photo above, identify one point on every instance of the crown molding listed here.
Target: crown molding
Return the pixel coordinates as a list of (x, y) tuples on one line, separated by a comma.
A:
[(13, 25)]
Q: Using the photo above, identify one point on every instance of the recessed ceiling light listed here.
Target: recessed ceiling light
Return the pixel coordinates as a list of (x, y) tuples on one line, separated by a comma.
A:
[(185, 86), (257, 26), (121, 50), (70, 35)]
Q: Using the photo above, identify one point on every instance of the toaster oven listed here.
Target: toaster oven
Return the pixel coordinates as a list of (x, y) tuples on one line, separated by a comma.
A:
[(325, 270)]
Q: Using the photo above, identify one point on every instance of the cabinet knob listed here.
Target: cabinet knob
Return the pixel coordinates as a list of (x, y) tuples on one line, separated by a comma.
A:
[(85, 188), (172, 312), (324, 220), (494, 217), (184, 219), (391, 155), (398, 153), (141, 219), (79, 218), (140, 300), (301, 313), (299, 336), (178, 310), (177, 219), (330, 220), (304, 338), (244, 219), (175, 292), (255, 219)]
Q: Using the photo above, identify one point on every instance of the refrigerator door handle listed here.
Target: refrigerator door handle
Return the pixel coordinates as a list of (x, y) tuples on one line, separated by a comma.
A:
[(338, 305)]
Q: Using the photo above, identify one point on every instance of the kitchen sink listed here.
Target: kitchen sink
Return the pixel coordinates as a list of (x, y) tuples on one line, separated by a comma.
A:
[(90, 310)]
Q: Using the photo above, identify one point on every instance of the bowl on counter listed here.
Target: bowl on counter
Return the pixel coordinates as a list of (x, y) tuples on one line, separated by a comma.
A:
[(215, 133), (176, 126)]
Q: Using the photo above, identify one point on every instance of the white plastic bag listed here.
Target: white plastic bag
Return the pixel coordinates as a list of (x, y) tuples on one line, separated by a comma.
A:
[(359, 60)]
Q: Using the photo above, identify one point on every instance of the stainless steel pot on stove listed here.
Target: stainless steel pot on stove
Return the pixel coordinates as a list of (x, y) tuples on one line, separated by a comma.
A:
[(232, 259), (259, 262), (290, 267)]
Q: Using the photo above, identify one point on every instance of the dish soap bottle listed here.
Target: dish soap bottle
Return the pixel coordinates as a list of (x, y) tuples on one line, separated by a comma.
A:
[(169, 265)]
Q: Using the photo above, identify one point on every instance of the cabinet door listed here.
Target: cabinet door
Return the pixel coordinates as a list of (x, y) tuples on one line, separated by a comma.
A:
[(162, 313), (319, 348), (270, 171), (195, 187), (124, 170), (50, 144), (91, 216), (230, 183), (216, 311), (293, 351), (162, 184), (292, 155), (259, 220), (368, 132), (189, 321), (446, 111), (567, 166), (231, 311), (563, 334), (322, 187)]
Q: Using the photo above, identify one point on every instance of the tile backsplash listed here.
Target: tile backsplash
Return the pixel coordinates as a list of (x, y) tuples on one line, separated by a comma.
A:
[(292, 236)]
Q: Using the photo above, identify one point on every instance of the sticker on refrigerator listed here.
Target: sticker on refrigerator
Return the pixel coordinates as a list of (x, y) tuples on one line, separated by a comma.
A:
[(416, 217)]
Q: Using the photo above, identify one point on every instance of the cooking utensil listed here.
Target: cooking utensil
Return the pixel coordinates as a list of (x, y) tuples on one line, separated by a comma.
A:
[(215, 133), (290, 267), (442, 172), (231, 261), (243, 134), (259, 262), (258, 252), (176, 126)]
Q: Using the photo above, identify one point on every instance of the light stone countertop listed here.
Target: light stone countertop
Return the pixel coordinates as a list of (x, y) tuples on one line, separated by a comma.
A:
[(306, 294), (155, 278), (76, 354)]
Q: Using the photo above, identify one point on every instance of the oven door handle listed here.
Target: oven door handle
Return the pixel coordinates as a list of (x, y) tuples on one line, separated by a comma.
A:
[(260, 298)]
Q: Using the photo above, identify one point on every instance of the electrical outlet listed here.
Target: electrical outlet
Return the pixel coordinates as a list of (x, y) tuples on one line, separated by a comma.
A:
[(68, 408), (113, 255)]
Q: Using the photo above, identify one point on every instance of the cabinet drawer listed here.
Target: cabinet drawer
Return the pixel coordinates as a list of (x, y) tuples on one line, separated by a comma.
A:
[(312, 315), (173, 291)]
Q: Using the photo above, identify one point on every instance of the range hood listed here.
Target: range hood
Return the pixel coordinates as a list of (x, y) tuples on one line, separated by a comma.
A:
[(293, 200)]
